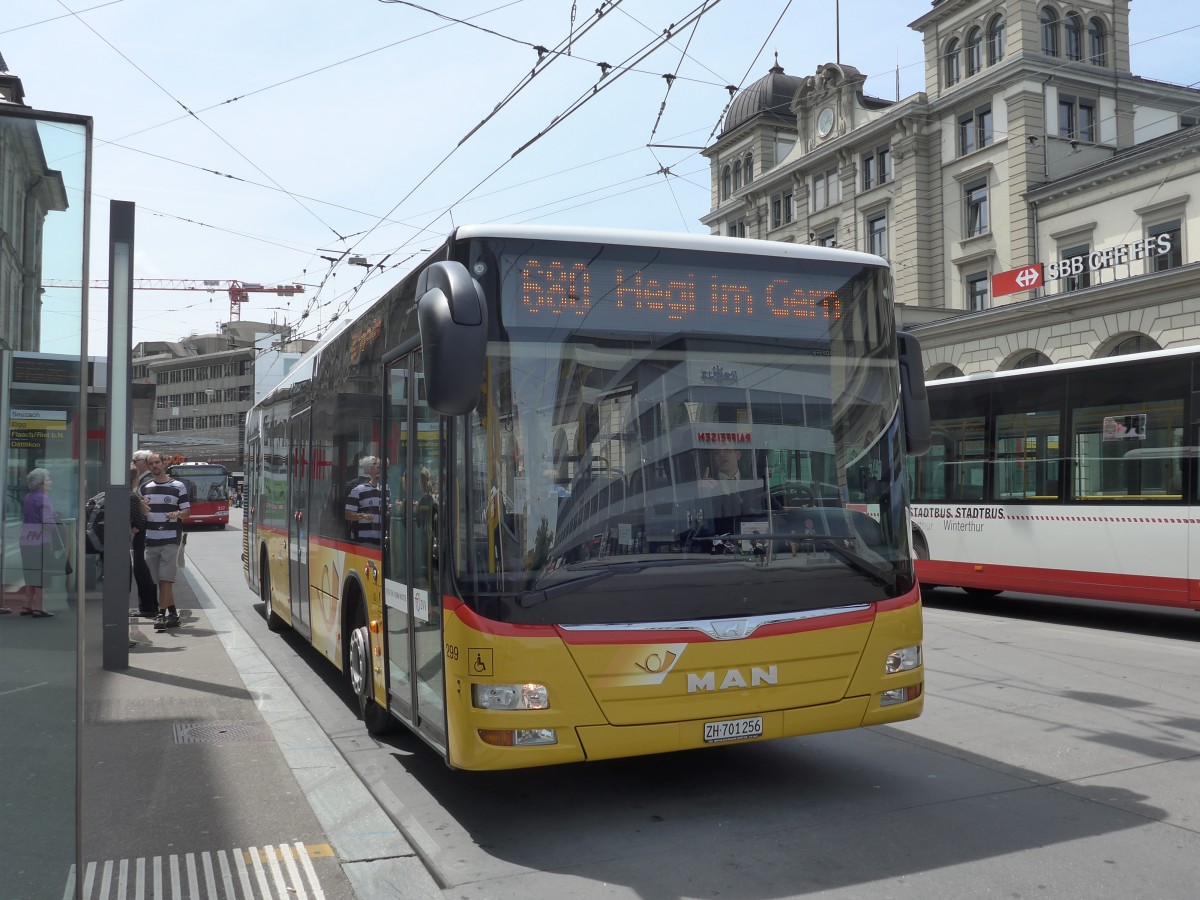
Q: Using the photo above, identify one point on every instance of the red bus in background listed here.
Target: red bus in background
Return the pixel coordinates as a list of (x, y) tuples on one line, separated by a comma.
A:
[(208, 489)]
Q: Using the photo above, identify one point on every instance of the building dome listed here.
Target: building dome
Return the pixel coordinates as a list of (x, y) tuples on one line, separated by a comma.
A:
[(770, 96)]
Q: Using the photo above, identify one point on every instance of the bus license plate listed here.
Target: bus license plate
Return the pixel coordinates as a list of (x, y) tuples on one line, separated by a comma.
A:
[(733, 730)]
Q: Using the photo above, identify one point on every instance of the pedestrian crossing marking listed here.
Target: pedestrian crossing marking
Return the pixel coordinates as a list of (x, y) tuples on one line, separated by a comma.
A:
[(280, 872), (313, 851)]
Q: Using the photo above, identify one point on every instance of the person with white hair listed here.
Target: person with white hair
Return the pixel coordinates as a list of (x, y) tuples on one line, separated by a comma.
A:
[(39, 522)]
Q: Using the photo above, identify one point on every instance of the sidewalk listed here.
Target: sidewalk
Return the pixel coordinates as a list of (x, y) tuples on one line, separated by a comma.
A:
[(204, 776)]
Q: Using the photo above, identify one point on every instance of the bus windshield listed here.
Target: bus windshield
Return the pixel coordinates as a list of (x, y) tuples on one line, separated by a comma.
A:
[(751, 465), (205, 484)]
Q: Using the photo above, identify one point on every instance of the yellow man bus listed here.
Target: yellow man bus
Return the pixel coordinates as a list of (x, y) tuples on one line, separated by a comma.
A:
[(569, 494)]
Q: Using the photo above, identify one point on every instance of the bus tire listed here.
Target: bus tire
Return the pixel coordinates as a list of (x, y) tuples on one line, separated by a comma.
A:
[(982, 593), (358, 668), (274, 622), (921, 551)]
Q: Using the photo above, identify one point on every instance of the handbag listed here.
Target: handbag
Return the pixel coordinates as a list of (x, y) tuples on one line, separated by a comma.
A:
[(60, 556), (60, 550)]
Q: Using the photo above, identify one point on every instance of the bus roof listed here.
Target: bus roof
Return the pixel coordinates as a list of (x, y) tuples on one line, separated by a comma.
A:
[(667, 239), (629, 236), (1128, 358)]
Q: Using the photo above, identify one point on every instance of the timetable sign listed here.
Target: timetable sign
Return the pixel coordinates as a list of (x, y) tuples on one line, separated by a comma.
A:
[(1025, 278)]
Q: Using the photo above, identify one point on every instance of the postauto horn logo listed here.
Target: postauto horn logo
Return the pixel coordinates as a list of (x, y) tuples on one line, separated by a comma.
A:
[(643, 665)]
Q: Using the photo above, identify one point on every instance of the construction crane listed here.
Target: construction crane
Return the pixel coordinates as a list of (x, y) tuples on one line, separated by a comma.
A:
[(239, 291)]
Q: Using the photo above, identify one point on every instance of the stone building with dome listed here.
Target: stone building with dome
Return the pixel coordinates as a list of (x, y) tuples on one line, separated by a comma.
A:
[(1032, 149)]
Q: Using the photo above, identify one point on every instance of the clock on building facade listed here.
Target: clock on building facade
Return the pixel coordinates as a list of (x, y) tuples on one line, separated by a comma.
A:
[(825, 121)]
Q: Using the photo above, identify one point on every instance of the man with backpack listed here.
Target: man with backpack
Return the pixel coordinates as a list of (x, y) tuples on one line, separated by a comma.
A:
[(146, 588)]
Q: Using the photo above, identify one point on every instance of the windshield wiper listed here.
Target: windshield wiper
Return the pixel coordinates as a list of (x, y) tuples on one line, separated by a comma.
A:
[(605, 571), (858, 563), (527, 599)]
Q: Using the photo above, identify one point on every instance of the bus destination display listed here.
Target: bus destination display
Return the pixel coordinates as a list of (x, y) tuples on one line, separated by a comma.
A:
[(556, 292)]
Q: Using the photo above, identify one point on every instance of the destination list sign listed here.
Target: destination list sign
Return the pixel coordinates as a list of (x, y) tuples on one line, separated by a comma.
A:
[(37, 429)]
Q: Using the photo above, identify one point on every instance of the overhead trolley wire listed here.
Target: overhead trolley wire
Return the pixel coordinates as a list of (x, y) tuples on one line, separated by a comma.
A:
[(609, 75), (197, 118), (733, 89)]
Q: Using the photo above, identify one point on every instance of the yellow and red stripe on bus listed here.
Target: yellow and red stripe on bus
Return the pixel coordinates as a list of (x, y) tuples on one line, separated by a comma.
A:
[(614, 694)]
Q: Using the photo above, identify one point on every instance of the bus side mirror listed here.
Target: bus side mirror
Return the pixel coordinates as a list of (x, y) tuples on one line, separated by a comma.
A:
[(914, 399), (452, 316)]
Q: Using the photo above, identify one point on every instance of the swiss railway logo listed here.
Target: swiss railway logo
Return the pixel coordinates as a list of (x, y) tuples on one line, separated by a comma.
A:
[(1025, 278)]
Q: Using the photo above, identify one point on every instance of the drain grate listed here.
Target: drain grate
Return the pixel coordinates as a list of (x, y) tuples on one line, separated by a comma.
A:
[(221, 733)]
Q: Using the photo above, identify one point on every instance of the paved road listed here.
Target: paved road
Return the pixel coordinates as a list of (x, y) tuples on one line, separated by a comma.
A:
[(1059, 756)]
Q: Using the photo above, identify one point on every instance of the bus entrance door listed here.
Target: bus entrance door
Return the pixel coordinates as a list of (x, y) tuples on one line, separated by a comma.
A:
[(298, 477), (416, 684)]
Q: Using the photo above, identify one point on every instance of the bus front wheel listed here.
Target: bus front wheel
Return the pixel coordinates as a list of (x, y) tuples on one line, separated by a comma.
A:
[(274, 622), (375, 717), (982, 593), (921, 551)]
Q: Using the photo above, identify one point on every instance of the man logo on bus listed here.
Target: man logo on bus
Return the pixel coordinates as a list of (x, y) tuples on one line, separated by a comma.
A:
[(733, 678)]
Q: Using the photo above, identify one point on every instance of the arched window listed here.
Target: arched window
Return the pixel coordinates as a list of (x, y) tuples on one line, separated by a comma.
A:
[(1049, 31), (737, 174), (1136, 343), (974, 51), (945, 370), (953, 70), (1073, 29), (995, 40), (748, 168), (1097, 43), (1031, 359), (726, 182)]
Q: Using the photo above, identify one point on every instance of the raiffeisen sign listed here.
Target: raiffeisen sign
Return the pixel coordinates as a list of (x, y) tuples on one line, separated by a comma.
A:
[(1034, 275)]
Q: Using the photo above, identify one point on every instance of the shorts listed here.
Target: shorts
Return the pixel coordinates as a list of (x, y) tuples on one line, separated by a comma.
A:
[(163, 562)]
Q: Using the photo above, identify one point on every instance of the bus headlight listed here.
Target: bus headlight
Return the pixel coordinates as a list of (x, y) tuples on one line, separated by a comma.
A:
[(510, 696), (521, 737), (900, 695), (903, 659)]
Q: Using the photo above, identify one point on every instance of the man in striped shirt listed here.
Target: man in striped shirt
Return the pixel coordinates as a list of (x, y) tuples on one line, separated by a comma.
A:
[(364, 506), (169, 505)]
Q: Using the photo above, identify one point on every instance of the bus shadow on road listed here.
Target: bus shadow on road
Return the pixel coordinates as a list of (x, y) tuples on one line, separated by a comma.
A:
[(773, 819), (778, 819)]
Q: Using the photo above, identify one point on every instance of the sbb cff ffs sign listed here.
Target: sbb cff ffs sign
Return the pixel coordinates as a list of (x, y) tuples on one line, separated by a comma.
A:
[(1025, 278), (1032, 276)]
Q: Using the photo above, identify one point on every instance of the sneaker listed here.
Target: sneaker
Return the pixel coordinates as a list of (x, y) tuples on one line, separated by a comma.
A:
[(160, 622), (172, 620)]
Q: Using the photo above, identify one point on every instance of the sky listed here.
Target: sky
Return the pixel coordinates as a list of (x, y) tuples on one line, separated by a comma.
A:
[(270, 141)]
